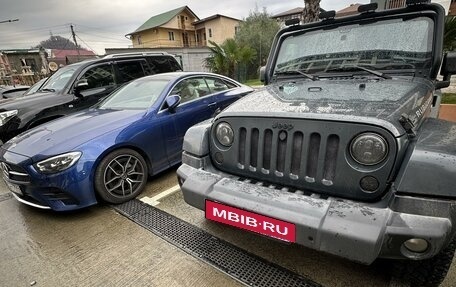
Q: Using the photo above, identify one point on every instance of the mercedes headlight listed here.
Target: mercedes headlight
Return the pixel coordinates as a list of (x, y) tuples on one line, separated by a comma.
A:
[(6, 116), (369, 149), (58, 163), (224, 134)]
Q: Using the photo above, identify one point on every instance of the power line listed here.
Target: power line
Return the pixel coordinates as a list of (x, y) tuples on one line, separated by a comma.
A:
[(30, 33), (41, 28), (99, 36), (86, 44), (66, 44), (99, 29)]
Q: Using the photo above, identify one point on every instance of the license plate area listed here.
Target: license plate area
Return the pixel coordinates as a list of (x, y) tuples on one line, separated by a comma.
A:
[(251, 221)]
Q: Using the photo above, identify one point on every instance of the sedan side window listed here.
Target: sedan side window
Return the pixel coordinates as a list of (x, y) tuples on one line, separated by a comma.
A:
[(99, 76), (191, 89), (217, 85)]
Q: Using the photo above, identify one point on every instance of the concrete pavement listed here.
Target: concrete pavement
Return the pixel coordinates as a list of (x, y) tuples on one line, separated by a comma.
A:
[(99, 247)]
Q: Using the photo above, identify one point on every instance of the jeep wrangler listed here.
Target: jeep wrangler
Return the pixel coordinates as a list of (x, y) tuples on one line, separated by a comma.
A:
[(342, 151)]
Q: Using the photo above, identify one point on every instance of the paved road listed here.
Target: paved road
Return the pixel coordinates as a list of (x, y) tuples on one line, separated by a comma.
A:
[(99, 247)]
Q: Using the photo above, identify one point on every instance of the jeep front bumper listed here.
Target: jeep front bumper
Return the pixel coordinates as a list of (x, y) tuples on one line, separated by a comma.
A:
[(357, 231)]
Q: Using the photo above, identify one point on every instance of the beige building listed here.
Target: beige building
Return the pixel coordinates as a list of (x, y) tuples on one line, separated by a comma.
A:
[(216, 28), (181, 28)]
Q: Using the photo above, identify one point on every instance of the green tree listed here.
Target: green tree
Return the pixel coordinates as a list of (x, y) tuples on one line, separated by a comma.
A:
[(229, 57), (311, 11), (258, 31), (449, 37)]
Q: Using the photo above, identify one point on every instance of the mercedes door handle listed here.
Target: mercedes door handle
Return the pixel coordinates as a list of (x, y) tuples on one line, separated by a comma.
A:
[(212, 105)]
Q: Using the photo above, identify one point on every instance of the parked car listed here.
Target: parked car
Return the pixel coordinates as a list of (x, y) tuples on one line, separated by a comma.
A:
[(35, 87), (342, 151), (111, 149), (77, 87), (10, 92)]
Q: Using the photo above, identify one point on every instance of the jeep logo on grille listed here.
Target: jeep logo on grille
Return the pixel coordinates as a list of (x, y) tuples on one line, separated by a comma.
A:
[(282, 126), (5, 169)]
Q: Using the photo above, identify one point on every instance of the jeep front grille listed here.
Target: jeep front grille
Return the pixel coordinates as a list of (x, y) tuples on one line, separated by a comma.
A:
[(303, 154), (287, 153)]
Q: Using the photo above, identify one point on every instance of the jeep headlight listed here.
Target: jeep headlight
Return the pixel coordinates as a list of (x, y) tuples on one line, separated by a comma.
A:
[(58, 163), (224, 134), (6, 116), (369, 149)]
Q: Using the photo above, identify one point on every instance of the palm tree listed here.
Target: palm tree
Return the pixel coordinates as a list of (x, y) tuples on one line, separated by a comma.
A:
[(226, 58), (449, 37), (217, 61), (311, 11)]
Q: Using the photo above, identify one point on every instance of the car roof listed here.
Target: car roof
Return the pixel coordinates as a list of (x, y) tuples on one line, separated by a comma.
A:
[(127, 56), (177, 75)]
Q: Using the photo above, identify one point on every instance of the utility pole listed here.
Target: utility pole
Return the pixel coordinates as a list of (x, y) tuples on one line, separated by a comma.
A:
[(74, 39)]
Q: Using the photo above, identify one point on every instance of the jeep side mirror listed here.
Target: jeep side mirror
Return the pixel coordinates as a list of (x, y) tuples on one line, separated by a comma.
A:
[(80, 85), (448, 65), (172, 102), (263, 74)]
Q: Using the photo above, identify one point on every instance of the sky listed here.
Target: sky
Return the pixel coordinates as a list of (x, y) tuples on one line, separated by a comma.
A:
[(103, 24)]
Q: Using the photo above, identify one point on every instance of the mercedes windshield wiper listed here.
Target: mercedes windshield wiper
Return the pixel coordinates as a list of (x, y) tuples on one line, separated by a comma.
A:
[(351, 67), (294, 72)]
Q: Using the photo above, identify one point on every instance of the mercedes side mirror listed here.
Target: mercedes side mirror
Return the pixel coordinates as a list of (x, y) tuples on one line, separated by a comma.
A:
[(172, 102)]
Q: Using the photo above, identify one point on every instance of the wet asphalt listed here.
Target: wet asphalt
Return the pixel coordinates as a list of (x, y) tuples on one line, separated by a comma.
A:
[(99, 247)]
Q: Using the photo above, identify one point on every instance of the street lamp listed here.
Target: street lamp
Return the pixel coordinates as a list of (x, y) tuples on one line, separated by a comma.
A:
[(9, 21)]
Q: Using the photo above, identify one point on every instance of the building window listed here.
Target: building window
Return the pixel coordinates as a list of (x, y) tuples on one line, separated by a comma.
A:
[(210, 33), (171, 36), (236, 30), (186, 18), (139, 40)]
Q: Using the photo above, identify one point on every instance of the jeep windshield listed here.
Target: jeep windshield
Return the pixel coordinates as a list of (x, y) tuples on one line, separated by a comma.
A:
[(58, 81), (394, 46)]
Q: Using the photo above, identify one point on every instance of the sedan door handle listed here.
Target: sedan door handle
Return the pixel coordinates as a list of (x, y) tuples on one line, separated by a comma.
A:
[(212, 105)]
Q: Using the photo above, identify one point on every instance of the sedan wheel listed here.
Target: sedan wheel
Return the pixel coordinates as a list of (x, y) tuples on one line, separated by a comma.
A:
[(121, 176)]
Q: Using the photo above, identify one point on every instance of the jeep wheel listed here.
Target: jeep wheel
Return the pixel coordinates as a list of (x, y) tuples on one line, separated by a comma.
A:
[(425, 273), (121, 176)]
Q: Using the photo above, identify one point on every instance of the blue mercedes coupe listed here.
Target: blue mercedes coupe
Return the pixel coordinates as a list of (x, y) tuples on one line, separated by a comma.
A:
[(112, 148)]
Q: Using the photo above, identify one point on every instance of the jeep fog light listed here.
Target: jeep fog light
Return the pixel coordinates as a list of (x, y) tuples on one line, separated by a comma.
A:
[(416, 245), (224, 134), (369, 184), (369, 149)]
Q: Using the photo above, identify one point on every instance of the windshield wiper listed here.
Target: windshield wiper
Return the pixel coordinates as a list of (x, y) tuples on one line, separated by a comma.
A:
[(351, 67), (47, 90), (294, 72)]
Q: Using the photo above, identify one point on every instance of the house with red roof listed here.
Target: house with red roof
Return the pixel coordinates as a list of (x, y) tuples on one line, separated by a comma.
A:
[(66, 57)]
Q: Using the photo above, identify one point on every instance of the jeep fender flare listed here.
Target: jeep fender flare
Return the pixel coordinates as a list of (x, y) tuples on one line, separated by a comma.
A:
[(429, 165)]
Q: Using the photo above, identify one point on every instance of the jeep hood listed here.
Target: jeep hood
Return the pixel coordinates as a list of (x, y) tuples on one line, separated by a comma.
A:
[(377, 102), (64, 134)]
